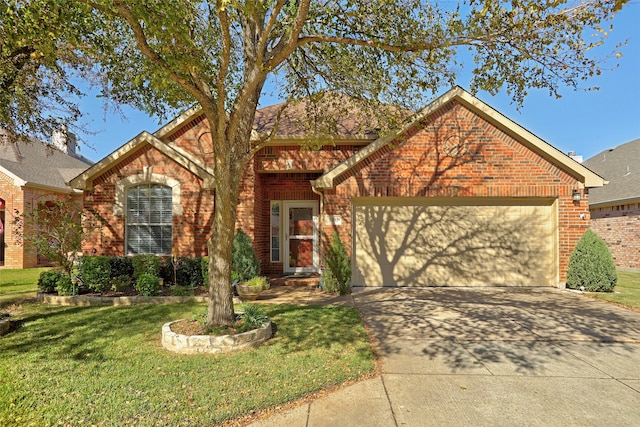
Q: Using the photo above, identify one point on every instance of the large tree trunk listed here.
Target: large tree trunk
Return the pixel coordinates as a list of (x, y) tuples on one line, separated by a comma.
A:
[(232, 148), (220, 309)]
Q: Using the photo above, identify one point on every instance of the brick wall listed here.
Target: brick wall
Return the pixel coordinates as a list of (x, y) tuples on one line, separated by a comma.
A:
[(17, 254), (458, 154), (190, 230), (619, 226), (295, 158), (195, 138)]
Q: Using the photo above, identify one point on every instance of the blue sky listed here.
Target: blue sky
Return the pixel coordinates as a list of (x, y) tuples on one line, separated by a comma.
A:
[(585, 122)]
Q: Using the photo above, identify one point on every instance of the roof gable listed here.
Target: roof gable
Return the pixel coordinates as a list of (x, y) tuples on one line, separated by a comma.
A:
[(621, 167), (186, 160), (457, 94), (40, 165)]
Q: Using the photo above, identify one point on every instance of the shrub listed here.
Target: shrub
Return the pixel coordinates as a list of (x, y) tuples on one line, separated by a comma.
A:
[(120, 283), (95, 272), (147, 284), (145, 264), (47, 281), (121, 266), (328, 281), (189, 271), (205, 271), (591, 265), (253, 316), (258, 282), (64, 286), (339, 263), (244, 260)]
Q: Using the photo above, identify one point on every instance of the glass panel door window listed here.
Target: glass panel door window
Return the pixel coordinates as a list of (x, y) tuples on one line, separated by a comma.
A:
[(149, 215), (301, 242)]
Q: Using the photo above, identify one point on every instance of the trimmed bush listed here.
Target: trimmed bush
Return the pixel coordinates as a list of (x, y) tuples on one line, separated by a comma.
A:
[(147, 285), (95, 272), (47, 281), (189, 271), (244, 261), (339, 263), (146, 264), (64, 286), (591, 265), (121, 266), (205, 271)]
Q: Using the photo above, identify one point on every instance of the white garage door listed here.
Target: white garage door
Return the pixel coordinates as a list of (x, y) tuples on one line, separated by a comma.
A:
[(436, 242)]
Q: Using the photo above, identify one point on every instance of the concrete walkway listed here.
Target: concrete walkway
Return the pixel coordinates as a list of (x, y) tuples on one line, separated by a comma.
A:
[(492, 356)]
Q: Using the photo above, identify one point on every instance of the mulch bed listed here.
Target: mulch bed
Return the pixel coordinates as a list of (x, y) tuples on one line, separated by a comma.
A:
[(194, 327)]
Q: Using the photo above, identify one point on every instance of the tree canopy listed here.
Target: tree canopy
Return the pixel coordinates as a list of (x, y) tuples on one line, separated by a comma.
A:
[(161, 56)]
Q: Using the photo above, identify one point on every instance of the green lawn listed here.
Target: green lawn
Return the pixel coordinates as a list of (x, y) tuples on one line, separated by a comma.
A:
[(626, 292), (18, 285), (105, 366)]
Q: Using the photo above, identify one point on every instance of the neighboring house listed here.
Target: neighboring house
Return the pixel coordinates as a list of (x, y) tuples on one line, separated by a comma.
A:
[(459, 196), (32, 172), (615, 208)]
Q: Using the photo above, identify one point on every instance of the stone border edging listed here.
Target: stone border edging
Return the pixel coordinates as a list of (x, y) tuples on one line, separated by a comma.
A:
[(201, 344), (5, 326), (87, 301)]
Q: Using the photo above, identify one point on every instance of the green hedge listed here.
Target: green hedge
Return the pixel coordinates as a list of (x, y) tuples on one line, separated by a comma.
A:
[(100, 273), (146, 264), (591, 266), (95, 272)]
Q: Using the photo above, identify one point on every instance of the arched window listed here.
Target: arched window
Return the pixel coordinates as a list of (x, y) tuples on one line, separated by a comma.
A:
[(149, 214)]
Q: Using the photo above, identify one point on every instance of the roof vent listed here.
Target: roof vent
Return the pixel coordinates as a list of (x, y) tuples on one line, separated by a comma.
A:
[(628, 172)]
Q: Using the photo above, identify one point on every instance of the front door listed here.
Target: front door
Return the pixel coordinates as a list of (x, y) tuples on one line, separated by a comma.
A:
[(300, 236)]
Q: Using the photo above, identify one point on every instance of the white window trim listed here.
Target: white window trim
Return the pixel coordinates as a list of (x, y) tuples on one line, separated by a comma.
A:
[(146, 178)]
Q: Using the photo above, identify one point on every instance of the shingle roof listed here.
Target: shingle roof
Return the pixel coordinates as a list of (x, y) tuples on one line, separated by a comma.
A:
[(621, 167), (338, 113), (40, 164)]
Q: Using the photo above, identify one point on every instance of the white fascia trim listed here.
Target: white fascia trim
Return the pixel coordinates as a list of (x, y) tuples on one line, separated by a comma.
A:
[(16, 179), (188, 161), (326, 180), (175, 123), (505, 124), (548, 151)]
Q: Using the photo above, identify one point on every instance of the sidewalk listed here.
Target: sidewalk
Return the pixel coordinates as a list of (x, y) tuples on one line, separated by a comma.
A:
[(492, 356)]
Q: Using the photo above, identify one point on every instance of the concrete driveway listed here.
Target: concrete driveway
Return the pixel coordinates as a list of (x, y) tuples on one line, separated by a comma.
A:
[(490, 356)]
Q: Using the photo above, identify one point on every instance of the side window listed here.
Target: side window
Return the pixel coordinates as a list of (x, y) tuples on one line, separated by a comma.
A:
[(148, 219), (275, 231)]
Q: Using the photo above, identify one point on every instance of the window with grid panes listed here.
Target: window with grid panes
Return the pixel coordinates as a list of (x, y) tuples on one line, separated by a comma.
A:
[(149, 213)]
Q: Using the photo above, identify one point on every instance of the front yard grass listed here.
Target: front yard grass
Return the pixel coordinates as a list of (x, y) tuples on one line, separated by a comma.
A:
[(626, 292), (18, 285), (106, 366)]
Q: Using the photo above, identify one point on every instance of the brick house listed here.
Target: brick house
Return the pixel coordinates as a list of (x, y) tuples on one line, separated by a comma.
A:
[(615, 208), (30, 173), (459, 195)]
